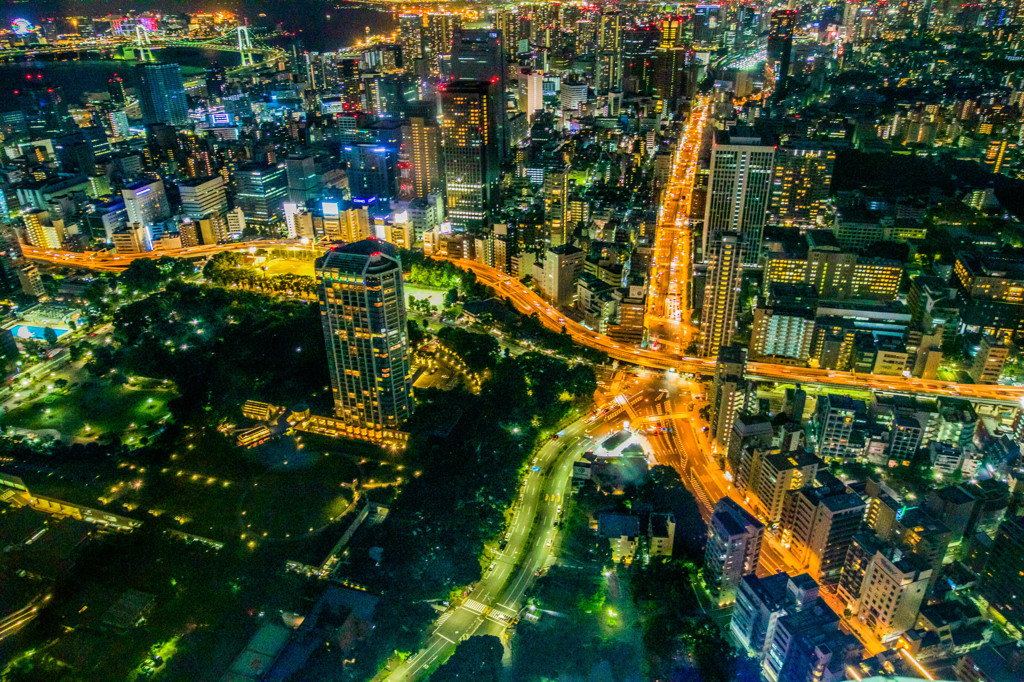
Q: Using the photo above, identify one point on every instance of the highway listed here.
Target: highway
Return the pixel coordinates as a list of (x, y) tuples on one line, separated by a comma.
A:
[(494, 602), (668, 299), (14, 622), (528, 301), (686, 448)]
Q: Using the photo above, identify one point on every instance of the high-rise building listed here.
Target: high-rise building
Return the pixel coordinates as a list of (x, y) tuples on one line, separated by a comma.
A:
[(558, 272), (770, 474), (1002, 579), (479, 54), (760, 602), (803, 177), (261, 192), (44, 107), (362, 305), (410, 36), (733, 549), (531, 92), (115, 86), (372, 170), (729, 395), (609, 52), (739, 189), (203, 196), (818, 524), (883, 585), (441, 27), (40, 231), (471, 157), (162, 94), (31, 282), (146, 202), (834, 420), (808, 645), (349, 83), (780, 47), (303, 178), (726, 255), (421, 138)]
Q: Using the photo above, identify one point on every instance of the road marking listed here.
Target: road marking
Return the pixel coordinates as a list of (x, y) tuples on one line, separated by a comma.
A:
[(475, 606), (450, 641)]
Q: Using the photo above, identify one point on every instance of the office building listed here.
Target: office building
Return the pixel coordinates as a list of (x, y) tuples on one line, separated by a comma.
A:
[(410, 37), (739, 190), (750, 433), (990, 357), (1002, 578), (261, 192), (421, 139), (372, 170), (162, 94), (721, 292), (362, 305), (883, 586), (991, 288), (733, 549), (203, 196), (818, 524), (780, 47), (133, 238), (304, 182), (556, 275), (342, 221), (146, 202), (44, 109), (801, 183), (470, 152), (609, 52), (479, 54), (760, 602)]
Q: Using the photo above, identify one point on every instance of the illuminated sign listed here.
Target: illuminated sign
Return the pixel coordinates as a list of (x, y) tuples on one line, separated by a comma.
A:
[(22, 27), (402, 217), (330, 208)]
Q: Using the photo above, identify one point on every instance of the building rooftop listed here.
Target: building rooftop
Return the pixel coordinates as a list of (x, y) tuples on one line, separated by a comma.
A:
[(618, 525)]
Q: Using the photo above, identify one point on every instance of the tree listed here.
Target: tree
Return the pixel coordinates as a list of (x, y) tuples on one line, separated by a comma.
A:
[(477, 659), (142, 275), (50, 336)]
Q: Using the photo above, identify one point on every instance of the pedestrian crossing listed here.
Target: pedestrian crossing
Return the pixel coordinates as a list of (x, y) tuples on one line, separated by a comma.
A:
[(475, 606), (444, 617)]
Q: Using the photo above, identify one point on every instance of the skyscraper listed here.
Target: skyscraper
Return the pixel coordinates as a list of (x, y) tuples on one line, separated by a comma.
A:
[(780, 47), (262, 191), (803, 176), (470, 151), (478, 54), (162, 94), (609, 52), (721, 292), (371, 170), (733, 549), (362, 306), (410, 32), (1002, 579), (739, 189), (421, 137)]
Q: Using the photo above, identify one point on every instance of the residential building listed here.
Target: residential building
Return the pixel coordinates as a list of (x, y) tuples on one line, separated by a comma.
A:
[(662, 534), (807, 645), (134, 238), (760, 602), (773, 474), (733, 549), (362, 306), (421, 137), (834, 419), (557, 273), (1002, 579), (801, 183), (990, 357), (818, 523), (729, 396), (721, 292)]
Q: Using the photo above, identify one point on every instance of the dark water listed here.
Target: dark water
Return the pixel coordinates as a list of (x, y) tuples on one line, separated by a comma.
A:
[(307, 19)]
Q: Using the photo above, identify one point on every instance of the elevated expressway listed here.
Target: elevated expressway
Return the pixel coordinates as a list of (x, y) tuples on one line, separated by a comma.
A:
[(528, 302)]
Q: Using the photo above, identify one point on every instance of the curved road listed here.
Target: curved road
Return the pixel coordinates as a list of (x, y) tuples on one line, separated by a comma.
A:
[(528, 301), (494, 602)]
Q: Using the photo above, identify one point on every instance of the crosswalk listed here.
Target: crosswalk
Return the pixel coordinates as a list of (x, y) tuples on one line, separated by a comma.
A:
[(475, 606)]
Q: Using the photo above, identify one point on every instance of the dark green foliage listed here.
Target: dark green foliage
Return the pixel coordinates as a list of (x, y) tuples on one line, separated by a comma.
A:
[(478, 659), (222, 347), (478, 351)]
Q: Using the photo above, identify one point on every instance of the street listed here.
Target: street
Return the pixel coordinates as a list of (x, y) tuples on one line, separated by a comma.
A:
[(494, 602)]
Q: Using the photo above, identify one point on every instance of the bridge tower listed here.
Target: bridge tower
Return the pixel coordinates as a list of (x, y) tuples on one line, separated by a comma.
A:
[(245, 45), (142, 45)]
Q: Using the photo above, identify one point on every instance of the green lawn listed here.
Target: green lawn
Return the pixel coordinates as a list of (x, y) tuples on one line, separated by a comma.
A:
[(289, 266), (94, 408)]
